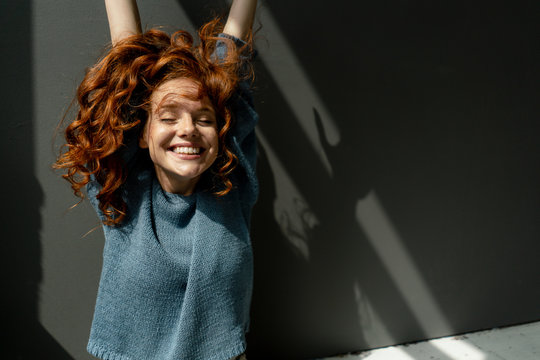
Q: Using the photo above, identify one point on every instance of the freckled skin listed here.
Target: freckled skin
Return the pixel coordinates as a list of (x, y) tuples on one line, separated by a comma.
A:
[(178, 120)]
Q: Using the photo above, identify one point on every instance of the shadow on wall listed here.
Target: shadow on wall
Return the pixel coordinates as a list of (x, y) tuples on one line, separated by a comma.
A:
[(433, 185), (404, 226), (24, 337)]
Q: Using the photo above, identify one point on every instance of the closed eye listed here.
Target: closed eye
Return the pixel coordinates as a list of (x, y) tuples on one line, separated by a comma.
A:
[(206, 121)]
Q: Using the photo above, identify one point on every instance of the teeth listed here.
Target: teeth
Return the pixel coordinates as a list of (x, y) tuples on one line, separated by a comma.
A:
[(187, 150)]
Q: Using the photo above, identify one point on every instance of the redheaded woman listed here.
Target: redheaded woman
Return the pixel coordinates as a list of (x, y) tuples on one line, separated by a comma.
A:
[(163, 142)]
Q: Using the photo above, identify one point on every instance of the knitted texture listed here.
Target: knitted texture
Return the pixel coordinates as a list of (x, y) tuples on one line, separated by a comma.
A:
[(177, 273)]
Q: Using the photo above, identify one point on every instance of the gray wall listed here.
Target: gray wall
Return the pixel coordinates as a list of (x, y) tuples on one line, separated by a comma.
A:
[(398, 167)]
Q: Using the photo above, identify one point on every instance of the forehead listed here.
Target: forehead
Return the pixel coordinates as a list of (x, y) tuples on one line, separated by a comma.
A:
[(181, 87), (181, 91)]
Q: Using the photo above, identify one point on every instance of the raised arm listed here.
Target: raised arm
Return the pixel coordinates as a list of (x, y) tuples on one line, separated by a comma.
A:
[(240, 18), (124, 19)]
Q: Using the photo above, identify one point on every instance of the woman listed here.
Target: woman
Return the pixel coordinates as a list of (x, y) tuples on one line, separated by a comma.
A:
[(164, 144)]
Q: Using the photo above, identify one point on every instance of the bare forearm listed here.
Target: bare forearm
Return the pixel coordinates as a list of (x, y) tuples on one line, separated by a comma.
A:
[(240, 18), (124, 19)]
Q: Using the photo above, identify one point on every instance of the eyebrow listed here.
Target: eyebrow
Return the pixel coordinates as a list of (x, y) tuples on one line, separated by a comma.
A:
[(207, 109), (167, 107), (173, 106)]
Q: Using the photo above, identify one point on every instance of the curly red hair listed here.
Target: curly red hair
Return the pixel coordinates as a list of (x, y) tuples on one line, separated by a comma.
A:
[(114, 98)]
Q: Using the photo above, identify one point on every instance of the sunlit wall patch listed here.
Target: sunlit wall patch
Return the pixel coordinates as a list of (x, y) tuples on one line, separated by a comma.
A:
[(385, 239), (297, 89), (291, 210)]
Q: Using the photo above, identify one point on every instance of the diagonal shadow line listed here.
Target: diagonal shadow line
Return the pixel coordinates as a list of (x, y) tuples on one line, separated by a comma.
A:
[(307, 158), (343, 251)]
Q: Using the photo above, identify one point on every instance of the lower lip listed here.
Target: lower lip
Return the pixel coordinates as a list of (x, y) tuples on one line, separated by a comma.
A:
[(186, 156)]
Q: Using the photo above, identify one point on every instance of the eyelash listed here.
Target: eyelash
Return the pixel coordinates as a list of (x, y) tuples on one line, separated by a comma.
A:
[(203, 121)]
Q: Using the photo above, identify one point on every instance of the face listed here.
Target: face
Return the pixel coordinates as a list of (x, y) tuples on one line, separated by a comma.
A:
[(181, 135)]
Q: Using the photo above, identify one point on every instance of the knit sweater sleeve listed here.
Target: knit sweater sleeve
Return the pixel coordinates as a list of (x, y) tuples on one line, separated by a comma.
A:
[(242, 136)]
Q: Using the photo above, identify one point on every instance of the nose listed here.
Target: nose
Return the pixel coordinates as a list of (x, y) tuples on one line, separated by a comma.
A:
[(186, 127)]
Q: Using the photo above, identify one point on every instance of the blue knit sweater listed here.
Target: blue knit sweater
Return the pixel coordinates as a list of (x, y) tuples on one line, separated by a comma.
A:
[(177, 274)]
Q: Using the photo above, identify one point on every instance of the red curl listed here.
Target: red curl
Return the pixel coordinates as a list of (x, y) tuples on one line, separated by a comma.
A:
[(114, 97)]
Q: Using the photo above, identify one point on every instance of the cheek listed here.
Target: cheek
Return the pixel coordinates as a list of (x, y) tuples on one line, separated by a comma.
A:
[(212, 144), (214, 141), (143, 137), (158, 136)]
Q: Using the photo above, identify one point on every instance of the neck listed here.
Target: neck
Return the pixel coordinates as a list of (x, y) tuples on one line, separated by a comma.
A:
[(175, 186)]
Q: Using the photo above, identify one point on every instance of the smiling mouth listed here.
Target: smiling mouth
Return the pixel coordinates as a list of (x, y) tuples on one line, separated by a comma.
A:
[(187, 150)]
